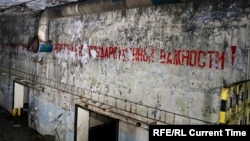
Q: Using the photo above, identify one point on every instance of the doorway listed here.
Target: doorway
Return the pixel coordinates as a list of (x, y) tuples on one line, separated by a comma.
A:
[(20, 102), (92, 126)]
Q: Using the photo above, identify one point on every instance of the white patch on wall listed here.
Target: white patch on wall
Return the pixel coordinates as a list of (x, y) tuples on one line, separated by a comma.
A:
[(72, 55), (93, 53), (21, 50), (211, 75), (65, 53), (129, 55), (75, 31), (64, 64), (64, 78), (85, 53)]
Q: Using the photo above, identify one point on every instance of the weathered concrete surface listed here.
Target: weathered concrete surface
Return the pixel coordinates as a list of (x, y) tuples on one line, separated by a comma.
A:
[(191, 51)]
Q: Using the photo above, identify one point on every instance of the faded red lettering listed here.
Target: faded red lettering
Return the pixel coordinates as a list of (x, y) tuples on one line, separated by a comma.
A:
[(151, 58), (203, 64), (162, 56), (110, 50), (169, 59), (115, 53), (192, 58), (123, 54), (220, 59), (177, 60), (233, 49), (185, 57), (199, 58), (211, 58), (106, 52)]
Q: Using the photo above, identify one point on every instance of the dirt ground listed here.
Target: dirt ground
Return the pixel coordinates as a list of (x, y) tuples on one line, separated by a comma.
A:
[(16, 128)]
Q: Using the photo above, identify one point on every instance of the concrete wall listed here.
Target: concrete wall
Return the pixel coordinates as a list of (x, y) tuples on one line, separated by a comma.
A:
[(51, 113), (173, 58), (128, 132), (16, 33)]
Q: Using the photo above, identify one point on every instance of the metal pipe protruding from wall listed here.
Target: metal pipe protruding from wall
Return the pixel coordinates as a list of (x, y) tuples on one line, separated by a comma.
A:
[(95, 6), (43, 29), (88, 7)]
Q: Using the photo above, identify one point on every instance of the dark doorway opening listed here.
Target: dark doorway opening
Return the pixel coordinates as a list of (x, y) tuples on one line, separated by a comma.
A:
[(104, 132), (92, 126)]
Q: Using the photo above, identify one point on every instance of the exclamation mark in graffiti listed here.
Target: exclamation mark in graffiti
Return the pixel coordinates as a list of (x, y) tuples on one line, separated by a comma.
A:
[(233, 53)]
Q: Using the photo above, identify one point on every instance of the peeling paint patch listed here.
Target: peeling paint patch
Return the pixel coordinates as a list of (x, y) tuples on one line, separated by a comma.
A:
[(233, 11), (127, 137), (85, 53), (93, 53), (33, 114), (76, 30), (157, 107), (208, 110), (183, 104)]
